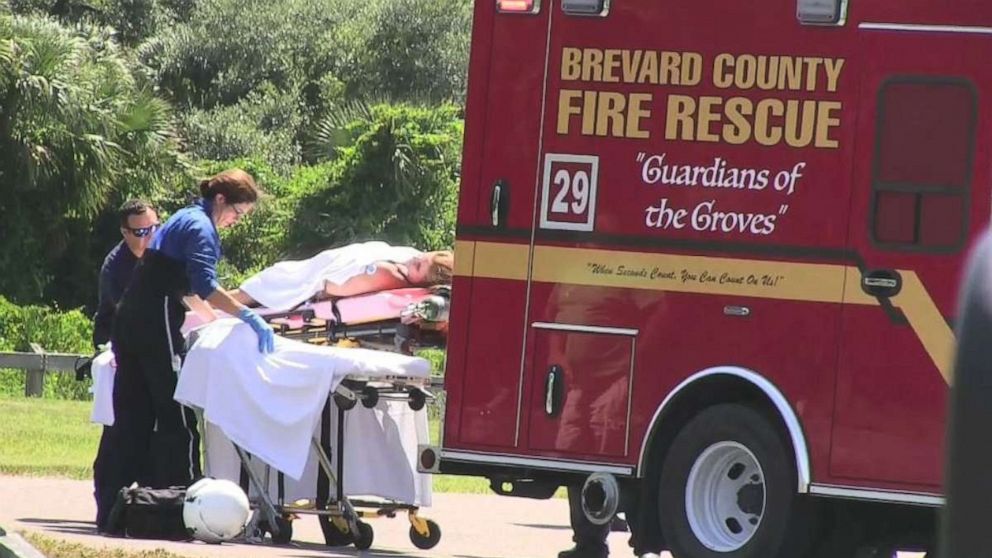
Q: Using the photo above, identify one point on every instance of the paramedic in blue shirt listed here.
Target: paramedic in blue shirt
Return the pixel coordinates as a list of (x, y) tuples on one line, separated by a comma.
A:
[(147, 341), (139, 221)]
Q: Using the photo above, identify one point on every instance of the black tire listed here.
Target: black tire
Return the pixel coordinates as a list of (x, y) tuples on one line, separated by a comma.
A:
[(417, 400), (430, 541), (778, 519), (344, 402), (332, 535), (285, 531), (364, 536), (370, 397)]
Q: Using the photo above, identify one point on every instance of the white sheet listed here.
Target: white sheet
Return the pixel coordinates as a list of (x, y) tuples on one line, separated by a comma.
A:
[(103, 368), (286, 284), (270, 404), (380, 449)]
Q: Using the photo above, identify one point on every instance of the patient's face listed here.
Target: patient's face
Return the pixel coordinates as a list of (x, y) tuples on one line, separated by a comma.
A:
[(417, 270)]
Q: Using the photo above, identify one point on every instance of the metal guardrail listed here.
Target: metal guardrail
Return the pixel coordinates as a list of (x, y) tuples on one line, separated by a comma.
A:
[(37, 364)]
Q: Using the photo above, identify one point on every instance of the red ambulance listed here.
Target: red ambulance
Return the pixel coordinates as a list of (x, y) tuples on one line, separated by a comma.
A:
[(707, 255)]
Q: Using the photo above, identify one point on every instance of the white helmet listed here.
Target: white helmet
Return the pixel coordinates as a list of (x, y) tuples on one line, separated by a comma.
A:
[(215, 510)]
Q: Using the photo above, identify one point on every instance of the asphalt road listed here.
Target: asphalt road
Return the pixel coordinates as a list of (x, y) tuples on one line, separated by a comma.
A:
[(473, 526)]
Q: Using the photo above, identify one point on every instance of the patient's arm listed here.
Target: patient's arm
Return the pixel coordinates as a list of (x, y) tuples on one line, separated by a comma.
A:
[(200, 306), (243, 298), (383, 278)]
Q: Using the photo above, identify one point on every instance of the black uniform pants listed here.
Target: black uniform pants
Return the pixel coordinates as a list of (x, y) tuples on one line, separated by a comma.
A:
[(584, 533), (644, 534), (146, 343), (143, 388), (149, 473)]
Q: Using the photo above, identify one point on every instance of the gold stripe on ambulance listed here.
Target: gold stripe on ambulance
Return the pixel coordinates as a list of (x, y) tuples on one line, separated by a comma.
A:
[(780, 280)]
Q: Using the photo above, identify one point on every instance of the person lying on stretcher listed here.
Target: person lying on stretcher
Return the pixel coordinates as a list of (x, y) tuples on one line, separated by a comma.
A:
[(348, 271), (344, 272)]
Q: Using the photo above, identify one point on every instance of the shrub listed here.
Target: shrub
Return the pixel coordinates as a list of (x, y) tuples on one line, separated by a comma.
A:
[(55, 331)]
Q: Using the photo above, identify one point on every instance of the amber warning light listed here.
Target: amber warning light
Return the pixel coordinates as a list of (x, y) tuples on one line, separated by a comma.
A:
[(516, 6)]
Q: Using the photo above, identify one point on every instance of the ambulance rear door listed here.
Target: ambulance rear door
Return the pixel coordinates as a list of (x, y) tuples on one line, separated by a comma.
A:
[(922, 194), (494, 226)]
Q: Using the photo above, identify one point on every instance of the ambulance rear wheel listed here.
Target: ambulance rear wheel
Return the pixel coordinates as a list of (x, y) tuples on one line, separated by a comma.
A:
[(728, 488), (428, 541)]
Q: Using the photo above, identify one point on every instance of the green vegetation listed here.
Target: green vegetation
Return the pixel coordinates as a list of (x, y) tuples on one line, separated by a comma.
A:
[(347, 111), (47, 437), (54, 548)]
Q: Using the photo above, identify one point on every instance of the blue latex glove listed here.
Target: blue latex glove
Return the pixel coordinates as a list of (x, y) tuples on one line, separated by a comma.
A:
[(266, 337)]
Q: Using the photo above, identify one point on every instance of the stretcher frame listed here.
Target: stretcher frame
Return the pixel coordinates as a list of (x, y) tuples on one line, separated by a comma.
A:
[(342, 512)]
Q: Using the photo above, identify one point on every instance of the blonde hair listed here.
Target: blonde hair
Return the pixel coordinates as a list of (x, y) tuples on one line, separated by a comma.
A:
[(441, 267)]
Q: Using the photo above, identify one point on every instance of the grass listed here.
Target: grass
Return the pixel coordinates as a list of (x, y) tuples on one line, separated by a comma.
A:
[(54, 437), (54, 548), (49, 437)]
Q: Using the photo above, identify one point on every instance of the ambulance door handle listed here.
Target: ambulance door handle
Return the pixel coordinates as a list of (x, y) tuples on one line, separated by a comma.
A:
[(881, 282), (554, 390), (498, 203)]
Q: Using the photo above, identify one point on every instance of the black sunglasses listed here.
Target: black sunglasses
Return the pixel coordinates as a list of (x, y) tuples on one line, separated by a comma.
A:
[(143, 231)]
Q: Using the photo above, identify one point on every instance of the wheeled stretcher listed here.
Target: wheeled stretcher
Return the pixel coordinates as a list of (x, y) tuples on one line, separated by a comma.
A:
[(370, 322)]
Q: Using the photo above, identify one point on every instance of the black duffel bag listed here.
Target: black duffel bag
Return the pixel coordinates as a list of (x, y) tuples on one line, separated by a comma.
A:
[(149, 513)]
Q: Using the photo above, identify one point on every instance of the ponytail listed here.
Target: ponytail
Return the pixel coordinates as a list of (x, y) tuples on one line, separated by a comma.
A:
[(236, 185)]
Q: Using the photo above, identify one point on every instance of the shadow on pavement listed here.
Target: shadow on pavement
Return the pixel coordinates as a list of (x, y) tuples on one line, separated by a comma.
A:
[(73, 526), (542, 526)]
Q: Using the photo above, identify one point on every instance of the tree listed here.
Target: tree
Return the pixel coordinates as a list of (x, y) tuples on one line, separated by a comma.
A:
[(406, 50), (395, 178), (75, 128)]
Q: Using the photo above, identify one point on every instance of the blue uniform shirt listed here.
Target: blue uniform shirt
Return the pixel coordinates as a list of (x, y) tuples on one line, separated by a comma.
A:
[(191, 237), (114, 277)]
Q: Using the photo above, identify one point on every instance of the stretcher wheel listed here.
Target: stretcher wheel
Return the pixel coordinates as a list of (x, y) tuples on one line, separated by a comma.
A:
[(370, 397), (417, 399), (364, 536), (285, 530), (333, 536), (426, 542), (344, 402)]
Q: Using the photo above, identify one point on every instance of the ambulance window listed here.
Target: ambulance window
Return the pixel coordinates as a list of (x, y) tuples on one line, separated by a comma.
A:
[(922, 168)]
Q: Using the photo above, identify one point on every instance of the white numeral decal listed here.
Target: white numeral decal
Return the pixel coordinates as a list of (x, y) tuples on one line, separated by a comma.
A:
[(569, 192), (577, 185)]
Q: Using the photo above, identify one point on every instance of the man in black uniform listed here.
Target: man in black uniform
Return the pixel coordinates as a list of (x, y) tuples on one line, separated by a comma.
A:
[(138, 224), (138, 221)]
